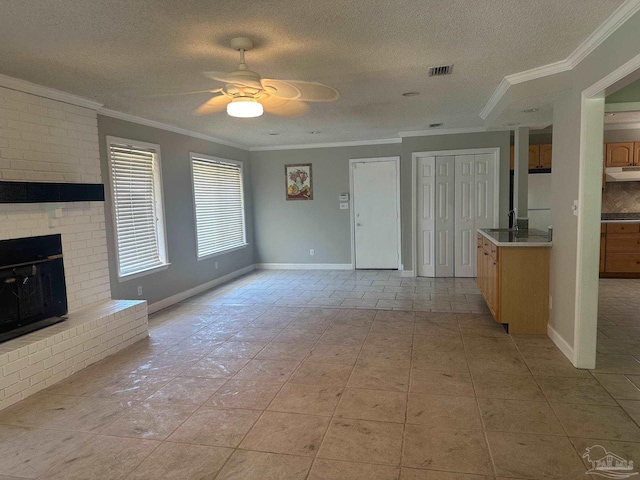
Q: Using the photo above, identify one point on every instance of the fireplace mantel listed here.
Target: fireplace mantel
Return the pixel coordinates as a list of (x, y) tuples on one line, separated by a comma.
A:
[(45, 192)]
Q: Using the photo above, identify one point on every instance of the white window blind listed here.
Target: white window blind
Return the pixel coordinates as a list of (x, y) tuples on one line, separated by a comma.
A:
[(219, 205), (138, 217)]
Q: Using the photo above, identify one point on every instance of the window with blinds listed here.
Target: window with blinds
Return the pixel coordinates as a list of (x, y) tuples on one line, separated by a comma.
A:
[(219, 205), (137, 205)]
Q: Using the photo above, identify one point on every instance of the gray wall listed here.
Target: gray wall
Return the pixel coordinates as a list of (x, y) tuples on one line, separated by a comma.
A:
[(185, 271), (285, 231), (615, 136)]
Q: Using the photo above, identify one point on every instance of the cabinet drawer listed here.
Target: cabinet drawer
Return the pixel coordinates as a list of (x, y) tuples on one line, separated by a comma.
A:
[(479, 239), (622, 262), (623, 243), (623, 227)]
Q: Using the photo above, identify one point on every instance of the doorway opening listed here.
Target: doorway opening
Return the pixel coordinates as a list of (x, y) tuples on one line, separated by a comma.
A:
[(589, 235)]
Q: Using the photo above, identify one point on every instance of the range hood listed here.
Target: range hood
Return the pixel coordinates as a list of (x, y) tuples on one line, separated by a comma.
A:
[(622, 174)]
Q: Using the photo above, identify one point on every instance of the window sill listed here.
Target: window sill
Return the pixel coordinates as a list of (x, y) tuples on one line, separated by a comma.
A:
[(143, 273), (224, 252)]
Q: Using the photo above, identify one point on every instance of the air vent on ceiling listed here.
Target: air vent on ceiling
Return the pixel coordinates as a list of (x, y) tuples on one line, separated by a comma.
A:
[(439, 71), (435, 125)]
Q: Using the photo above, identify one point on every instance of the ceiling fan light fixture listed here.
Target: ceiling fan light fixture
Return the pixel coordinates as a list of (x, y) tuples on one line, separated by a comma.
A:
[(244, 108)]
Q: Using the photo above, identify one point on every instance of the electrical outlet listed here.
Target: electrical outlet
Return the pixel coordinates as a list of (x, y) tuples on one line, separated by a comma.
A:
[(140, 291), (550, 302), (216, 264), (312, 252)]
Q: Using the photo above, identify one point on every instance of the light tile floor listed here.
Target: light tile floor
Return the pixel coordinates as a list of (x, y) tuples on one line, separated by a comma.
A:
[(336, 375)]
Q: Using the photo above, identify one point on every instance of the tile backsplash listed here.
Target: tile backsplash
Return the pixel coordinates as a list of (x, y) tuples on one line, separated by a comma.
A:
[(621, 197)]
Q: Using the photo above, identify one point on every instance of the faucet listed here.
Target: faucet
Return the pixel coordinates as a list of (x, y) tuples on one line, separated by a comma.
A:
[(513, 220)]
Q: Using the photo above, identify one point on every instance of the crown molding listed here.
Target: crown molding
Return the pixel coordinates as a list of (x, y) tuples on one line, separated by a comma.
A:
[(46, 92), (600, 34), (446, 131), (498, 93), (163, 126), (355, 143), (595, 39)]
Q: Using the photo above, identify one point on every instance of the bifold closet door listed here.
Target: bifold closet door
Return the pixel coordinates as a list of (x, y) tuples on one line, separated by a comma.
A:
[(455, 197), (465, 212), (444, 224), (426, 181)]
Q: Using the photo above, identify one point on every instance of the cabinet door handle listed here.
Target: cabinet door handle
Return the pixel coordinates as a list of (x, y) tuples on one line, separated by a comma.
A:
[(485, 253)]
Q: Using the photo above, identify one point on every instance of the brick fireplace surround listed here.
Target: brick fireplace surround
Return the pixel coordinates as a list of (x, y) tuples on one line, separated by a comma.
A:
[(44, 140)]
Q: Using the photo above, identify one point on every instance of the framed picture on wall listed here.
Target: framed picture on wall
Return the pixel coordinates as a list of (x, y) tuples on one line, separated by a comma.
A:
[(299, 181)]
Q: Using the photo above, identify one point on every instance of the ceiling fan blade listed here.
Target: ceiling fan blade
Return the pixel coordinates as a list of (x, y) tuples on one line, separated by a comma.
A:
[(214, 105), (299, 90), (230, 78), (216, 90), (283, 107)]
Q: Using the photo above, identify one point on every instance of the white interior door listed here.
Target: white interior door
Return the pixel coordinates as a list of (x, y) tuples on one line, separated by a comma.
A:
[(376, 214), (465, 241), (444, 216), (426, 169), (485, 191)]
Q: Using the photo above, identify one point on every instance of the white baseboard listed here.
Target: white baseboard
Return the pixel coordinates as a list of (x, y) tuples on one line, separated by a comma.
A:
[(407, 273), (304, 266), (179, 297), (561, 343)]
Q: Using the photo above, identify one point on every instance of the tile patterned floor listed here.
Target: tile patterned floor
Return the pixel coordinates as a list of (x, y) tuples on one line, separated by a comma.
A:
[(325, 375)]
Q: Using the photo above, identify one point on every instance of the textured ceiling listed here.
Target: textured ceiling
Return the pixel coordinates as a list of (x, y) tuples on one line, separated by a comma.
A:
[(125, 52)]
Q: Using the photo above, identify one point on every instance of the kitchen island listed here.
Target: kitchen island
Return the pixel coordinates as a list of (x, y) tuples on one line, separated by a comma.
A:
[(513, 276)]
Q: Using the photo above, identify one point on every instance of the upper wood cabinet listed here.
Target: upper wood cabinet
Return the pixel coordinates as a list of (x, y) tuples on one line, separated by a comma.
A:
[(534, 157), (539, 157), (545, 156), (621, 154)]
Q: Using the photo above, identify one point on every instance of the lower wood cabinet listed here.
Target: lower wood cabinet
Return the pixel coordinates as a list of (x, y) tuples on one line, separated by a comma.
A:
[(620, 249), (514, 282)]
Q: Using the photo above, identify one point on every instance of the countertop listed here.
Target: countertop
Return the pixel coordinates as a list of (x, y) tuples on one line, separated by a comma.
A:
[(520, 238), (620, 217)]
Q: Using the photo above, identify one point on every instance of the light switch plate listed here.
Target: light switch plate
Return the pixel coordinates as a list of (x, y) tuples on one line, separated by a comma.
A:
[(344, 197), (344, 206)]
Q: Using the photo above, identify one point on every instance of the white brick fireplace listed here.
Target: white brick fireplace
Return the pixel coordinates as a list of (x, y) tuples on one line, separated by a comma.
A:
[(44, 140)]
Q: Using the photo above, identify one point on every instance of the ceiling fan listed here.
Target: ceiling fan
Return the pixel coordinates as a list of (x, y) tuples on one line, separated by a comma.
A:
[(246, 94)]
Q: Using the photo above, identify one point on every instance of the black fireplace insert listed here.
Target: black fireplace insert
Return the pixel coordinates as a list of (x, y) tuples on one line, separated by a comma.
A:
[(33, 293)]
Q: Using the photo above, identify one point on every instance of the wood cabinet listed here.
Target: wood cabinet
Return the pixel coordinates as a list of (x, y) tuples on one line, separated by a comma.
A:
[(603, 243), (534, 157), (545, 156), (514, 282), (488, 283), (621, 154), (621, 249), (540, 157)]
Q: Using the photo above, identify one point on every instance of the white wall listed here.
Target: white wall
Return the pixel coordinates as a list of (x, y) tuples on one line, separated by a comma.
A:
[(50, 141)]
